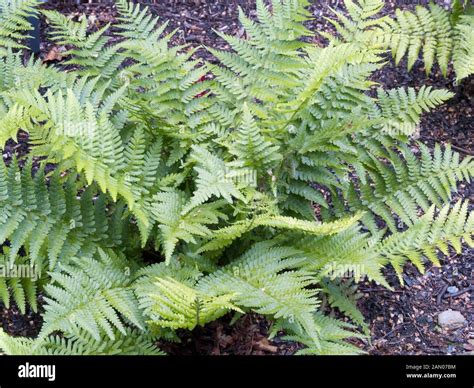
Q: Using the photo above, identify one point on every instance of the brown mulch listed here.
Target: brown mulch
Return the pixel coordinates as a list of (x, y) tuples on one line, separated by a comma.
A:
[(403, 321), (195, 22), (247, 336), (13, 322)]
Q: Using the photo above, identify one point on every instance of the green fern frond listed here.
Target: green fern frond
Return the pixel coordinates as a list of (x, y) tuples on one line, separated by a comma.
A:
[(360, 24), (428, 29), (343, 295), (136, 21), (18, 282), (81, 343), (145, 279), (90, 50), (463, 54), (334, 335), (406, 184), (14, 23), (264, 67), (326, 62), (402, 108), (264, 280), (91, 294), (215, 179), (176, 225), (250, 145), (440, 34), (307, 226), (347, 253), (49, 221), (83, 134), (432, 232), (225, 236), (179, 306)]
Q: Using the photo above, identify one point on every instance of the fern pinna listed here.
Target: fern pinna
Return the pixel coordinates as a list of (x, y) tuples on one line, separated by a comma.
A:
[(252, 180), (439, 35)]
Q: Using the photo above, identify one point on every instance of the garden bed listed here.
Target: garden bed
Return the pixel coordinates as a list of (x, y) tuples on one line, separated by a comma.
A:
[(403, 321)]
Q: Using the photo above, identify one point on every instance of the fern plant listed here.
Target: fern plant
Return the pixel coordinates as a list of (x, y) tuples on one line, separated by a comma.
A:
[(14, 24), (440, 35), (251, 182)]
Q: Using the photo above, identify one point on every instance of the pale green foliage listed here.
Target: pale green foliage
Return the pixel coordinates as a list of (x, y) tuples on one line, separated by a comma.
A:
[(264, 280), (90, 295), (49, 221), (79, 129), (343, 296), (438, 34), (18, 282), (90, 51), (81, 343), (178, 306), (403, 107), (251, 184), (463, 55), (250, 145), (401, 187), (428, 29), (136, 21), (214, 179), (14, 24), (223, 237), (333, 334), (450, 227), (176, 225)]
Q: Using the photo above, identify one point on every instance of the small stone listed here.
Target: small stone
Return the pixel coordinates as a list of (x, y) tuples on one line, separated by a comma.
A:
[(450, 319), (452, 289), (469, 346)]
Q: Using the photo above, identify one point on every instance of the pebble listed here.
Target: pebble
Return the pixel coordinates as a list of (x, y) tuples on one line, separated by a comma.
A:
[(452, 289), (451, 319)]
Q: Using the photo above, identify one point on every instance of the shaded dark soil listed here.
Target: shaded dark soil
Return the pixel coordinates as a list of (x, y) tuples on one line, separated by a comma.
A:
[(403, 321), (14, 323), (247, 336)]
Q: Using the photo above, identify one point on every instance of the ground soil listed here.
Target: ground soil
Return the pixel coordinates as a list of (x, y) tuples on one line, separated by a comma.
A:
[(403, 321)]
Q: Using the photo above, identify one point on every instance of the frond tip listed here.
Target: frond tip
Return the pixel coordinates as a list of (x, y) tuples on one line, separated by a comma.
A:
[(432, 232), (90, 294)]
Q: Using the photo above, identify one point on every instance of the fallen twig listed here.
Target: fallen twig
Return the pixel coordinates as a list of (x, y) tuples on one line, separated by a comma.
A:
[(460, 292), (462, 150), (439, 298)]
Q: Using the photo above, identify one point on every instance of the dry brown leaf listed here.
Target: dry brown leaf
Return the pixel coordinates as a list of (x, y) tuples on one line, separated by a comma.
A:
[(264, 344)]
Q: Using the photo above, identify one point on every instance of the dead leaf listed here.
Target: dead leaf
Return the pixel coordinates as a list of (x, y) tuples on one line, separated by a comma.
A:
[(55, 54), (264, 344)]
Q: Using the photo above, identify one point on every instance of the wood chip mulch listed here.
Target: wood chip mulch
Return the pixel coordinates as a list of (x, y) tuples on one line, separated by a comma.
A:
[(401, 322)]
